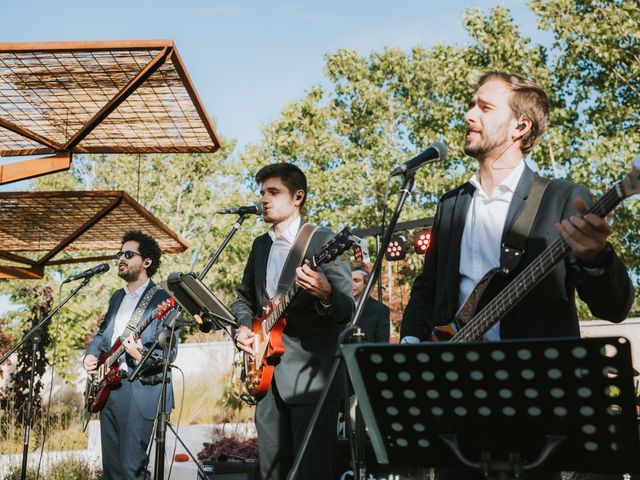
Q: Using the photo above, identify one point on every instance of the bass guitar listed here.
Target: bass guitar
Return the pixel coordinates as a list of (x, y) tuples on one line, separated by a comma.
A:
[(108, 374), (258, 371), (483, 309)]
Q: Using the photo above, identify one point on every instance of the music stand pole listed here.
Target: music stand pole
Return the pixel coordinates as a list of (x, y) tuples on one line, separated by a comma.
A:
[(36, 333), (407, 186), (227, 239)]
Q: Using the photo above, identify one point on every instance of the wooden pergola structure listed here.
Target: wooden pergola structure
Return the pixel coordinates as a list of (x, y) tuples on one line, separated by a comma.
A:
[(60, 99), (64, 223)]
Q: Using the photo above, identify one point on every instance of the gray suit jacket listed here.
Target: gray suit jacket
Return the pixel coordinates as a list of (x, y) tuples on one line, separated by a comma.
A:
[(146, 396), (310, 337), (549, 309)]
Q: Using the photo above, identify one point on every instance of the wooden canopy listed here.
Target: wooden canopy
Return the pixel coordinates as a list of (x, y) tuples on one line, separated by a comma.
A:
[(96, 97), (59, 224)]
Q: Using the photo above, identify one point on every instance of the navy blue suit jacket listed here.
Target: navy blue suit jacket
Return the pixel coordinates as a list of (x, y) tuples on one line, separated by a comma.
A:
[(146, 397)]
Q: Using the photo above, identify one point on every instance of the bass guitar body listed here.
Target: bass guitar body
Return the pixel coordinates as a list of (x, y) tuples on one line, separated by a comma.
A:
[(258, 370), (488, 288)]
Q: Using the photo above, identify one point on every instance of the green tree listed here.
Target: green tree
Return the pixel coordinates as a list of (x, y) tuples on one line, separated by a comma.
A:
[(183, 191), (382, 109)]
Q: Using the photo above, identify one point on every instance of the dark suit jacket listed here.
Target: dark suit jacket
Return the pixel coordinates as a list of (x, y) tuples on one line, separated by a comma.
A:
[(146, 396), (549, 309), (375, 321), (311, 335)]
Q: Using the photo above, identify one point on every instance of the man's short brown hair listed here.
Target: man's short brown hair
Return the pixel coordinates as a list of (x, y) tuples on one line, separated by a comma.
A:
[(292, 177), (528, 100)]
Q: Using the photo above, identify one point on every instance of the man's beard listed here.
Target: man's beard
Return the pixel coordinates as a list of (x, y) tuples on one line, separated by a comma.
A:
[(130, 274), (486, 145)]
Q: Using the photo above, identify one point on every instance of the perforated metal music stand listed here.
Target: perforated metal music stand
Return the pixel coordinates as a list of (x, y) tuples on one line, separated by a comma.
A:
[(562, 404)]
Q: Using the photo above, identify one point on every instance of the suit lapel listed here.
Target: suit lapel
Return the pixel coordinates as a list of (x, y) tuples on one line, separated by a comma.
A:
[(111, 321), (459, 216), (262, 256), (517, 202)]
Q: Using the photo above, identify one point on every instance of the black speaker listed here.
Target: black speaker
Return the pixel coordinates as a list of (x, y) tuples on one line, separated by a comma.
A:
[(230, 470)]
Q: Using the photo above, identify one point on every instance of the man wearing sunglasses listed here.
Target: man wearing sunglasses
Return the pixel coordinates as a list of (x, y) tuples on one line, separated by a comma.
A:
[(127, 418)]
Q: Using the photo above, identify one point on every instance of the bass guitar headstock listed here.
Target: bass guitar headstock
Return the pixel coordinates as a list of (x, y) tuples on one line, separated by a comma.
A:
[(339, 244)]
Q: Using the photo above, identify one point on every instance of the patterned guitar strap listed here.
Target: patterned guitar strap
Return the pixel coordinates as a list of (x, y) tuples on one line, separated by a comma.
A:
[(139, 311)]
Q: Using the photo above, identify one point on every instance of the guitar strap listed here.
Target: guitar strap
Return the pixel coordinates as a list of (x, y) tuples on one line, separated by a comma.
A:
[(139, 311), (294, 258), (513, 246)]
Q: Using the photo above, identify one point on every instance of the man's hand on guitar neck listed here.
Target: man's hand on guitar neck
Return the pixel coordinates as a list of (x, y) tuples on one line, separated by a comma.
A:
[(133, 347), (586, 236), (244, 340), (314, 282)]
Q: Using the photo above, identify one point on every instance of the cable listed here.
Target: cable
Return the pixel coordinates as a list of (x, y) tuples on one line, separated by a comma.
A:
[(175, 443), (45, 430)]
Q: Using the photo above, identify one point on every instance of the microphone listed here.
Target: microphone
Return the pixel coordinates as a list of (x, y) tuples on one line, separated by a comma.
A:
[(436, 152), (247, 210), (103, 267)]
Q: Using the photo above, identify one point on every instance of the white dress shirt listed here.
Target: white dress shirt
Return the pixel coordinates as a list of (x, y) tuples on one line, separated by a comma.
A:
[(482, 236), (278, 254), (127, 307)]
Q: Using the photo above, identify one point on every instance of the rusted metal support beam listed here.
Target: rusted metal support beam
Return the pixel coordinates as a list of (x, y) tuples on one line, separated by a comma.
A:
[(195, 98), (17, 258), (68, 261), (120, 97), (86, 226), (23, 170), (34, 273), (31, 135)]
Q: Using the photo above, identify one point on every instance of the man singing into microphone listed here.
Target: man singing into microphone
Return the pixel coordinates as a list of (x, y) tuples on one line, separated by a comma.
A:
[(506, 118), (310, 337), (126, 420)]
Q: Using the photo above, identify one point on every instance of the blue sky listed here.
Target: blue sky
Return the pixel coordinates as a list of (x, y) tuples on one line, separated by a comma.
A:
[(249, 59)]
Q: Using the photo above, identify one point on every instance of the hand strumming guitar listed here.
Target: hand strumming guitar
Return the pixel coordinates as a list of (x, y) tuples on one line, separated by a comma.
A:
[(90, 363)]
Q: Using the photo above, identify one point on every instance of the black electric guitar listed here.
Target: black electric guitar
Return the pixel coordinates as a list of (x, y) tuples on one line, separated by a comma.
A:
[(482, 310)]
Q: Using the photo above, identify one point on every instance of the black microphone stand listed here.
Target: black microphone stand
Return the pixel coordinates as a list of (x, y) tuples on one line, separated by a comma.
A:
[(225, 242), (35, 334), (353, 330), (162, 421)]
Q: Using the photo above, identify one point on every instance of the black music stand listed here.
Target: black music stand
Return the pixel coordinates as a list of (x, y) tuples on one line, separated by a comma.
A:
[(502, 408), (195, 298)]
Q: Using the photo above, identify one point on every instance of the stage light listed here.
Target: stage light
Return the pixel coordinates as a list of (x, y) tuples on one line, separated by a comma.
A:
[(421, 241), (397, 249)]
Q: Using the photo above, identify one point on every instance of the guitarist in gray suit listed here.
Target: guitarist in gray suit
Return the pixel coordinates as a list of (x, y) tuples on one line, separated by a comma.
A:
[(127, 418), (507, 116), (309, 338)]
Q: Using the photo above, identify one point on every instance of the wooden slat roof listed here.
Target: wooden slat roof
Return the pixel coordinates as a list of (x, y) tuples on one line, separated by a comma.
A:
[(35, 227), (99, 97)]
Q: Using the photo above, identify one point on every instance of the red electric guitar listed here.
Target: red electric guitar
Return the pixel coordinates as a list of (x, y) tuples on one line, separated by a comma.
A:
[(258, 371), (108, 374)]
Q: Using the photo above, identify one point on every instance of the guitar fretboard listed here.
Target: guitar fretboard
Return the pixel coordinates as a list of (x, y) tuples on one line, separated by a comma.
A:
[(537, 270)]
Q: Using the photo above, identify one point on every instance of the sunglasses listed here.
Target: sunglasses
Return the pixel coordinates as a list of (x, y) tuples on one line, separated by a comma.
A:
[(128, 254)]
